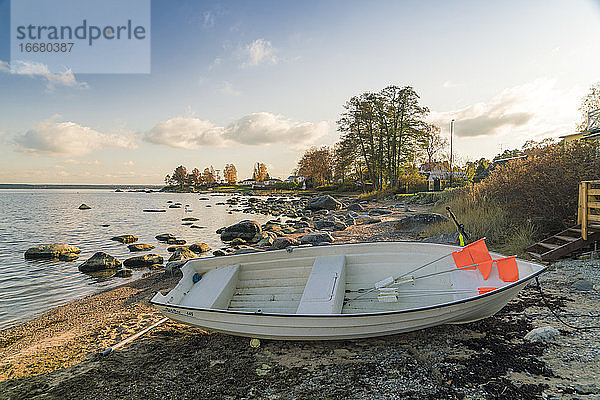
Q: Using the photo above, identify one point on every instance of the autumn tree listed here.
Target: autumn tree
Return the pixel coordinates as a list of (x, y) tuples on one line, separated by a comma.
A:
[(180, 175), (383, 128), (590, 102), (431, 142), (196, 177), (209, 176), (316, 165), (260, 172), (230, 173)]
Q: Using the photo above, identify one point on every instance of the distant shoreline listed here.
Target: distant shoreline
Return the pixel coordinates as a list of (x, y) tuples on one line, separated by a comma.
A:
[(51, 186)]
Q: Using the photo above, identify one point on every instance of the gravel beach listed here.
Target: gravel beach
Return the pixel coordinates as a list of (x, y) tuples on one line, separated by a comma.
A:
[(56, 356)]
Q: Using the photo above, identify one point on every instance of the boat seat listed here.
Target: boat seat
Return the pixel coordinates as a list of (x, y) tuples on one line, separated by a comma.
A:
[(214, 290), (325, 288)]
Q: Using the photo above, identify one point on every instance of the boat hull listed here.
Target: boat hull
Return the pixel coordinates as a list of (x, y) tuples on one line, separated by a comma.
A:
[(341, 326)]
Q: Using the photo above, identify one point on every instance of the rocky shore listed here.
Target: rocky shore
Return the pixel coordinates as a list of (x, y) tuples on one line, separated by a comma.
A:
[(56, 356)]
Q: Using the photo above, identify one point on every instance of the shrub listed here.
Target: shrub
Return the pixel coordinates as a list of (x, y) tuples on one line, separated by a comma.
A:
[(524, 200)]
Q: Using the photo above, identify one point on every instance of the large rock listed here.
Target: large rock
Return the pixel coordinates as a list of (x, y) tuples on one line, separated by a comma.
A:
[(316, 238), (84, 207), (182, 253), (140, 247), (443, 238), (283, 242), (147, 260), (325, 202), (61, 251), (330, 223), (125, 239), (418, 221), (163, 237), (199, 248), (100, 262), (542, 334), (246, 230), (123, 273)]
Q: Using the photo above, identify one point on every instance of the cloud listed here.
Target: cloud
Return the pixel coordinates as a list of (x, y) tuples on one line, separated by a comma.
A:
[(33, 69), (185, 132), (266, 128), (79, 162), (533, 110), (54, 138), (227, 89), (254, 129), (259, 52), (129, 163)]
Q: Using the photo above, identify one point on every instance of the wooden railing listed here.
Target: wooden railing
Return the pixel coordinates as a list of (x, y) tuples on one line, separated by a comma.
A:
[(589, 206)]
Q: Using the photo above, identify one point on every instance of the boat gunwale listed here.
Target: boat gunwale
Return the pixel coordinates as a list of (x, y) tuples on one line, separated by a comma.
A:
[(355, 315)]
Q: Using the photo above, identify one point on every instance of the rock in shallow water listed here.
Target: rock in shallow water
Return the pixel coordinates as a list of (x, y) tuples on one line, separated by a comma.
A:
[(125, 239), (199, 247), (146, 260), (140, 247), (163, 237), (182, 253), (123, 273), (246, 230), (61, 251), (100, 262), (85, 207)]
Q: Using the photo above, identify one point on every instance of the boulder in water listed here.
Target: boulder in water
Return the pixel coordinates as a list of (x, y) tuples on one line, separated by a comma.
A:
[(84, 207), (123, 273), (125, 239), (163, 237), (182, 253), (147, 260), (100, 262), (199, 247), (60, 251), (246, 230), (140, 247)]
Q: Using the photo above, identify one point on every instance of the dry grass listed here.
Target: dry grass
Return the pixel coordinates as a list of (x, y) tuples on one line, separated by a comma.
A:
[(483, 217), (377, 194)]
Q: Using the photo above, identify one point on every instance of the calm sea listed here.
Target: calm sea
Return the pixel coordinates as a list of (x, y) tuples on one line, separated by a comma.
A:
[(32, 217)]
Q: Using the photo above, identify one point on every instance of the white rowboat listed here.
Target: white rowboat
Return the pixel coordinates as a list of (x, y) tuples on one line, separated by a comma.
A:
[(342, 291)]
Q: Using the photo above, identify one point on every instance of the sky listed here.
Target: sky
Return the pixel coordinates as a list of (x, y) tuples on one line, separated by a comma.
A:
[(260, 81)]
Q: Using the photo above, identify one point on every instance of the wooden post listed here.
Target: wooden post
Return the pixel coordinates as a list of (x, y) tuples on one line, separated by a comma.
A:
[(580, 203), (584, 210)]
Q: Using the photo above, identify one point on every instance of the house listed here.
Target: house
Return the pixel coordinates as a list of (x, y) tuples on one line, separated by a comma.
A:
[(592, 130), (247, 182), (295, 179)]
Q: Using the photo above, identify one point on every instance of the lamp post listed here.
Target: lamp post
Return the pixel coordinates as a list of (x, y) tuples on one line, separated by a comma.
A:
[(451, 134)]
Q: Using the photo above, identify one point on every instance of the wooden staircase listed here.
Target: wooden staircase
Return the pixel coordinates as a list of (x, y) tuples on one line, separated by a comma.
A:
[(564, 243)]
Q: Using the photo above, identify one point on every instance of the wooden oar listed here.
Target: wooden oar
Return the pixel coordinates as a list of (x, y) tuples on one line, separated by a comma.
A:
[(133, 337)]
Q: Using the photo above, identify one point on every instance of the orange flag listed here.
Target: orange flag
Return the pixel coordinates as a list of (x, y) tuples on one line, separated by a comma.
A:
[(507, 268)]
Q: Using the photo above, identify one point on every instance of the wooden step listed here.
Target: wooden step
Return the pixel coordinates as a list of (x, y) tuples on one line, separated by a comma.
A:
[(578, 230), (566, 238), (549, 245), (535, 255)]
